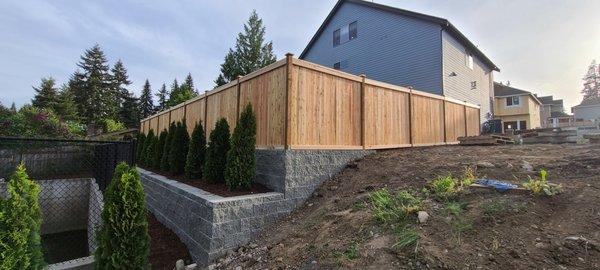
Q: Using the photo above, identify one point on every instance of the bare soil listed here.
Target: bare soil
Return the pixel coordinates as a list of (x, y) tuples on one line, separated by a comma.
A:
[(165, 246), (218, 189), (335, 229)]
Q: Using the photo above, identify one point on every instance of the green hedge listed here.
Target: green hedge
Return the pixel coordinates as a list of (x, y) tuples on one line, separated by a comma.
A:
[(20, 221), (179, 149), (148, 150), (196, 153), (164, 159), (158, 150), (139, 147), (241, 162), (123, 241), (216, 153)]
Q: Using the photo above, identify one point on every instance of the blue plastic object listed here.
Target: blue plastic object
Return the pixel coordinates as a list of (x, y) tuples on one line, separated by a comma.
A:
[(498, 185)]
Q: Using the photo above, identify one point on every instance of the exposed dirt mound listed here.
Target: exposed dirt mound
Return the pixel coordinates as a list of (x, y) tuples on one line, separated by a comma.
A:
[(335, 228)]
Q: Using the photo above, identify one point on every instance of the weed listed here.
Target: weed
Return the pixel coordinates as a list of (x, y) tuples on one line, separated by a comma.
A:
[(407, 237), (454, 208), (390, 209), (351, 252), (541, 186), (461, 224), (493, 208), (359, 205), (469, 177), (445, 187)]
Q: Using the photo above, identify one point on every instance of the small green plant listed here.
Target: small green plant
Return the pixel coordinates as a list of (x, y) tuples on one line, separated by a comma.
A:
[(241, 161), (389, 209), (407, 237), (469, 177), (164, 159), (216, 153), (541, 186), (158, 150), (20, 221), (179, 149), (123, 241), (493, 208), (445, 187), (351, 251), (454, 208), (461, 224), (148, 150), (196, 154), (139, 147)]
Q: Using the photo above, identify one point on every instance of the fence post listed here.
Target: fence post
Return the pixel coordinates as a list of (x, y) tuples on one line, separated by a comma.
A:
[(444, 120), (288, 86), (362, 111), (237, 110), (205, 113), (466, 122), (410, 116)]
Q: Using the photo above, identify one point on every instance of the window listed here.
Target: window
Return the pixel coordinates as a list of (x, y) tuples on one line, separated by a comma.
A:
[(345, 33), (522, 125), (473, 85), (341, 64), (512, 101), (469, 60), (336, 65)]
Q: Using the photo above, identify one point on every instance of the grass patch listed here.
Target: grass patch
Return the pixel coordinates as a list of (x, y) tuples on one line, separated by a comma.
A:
[(448, 187), (391, 208), (460, 225), (454, 208), (493, 208), (407, 237), (350, 253)]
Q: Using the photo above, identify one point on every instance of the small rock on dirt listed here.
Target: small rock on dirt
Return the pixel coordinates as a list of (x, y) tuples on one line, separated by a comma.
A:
[(422, 216), (485, 164), (180, 265), (527, 166)]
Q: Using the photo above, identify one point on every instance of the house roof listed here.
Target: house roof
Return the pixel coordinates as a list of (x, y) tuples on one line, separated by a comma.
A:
[(589, 102), (549, 100), (501, 90), (445, 24)]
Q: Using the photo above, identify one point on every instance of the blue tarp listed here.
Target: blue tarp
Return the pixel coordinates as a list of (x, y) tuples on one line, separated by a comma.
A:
[(498, 185)]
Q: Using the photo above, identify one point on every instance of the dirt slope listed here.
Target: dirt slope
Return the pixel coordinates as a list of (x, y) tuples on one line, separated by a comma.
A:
[(335, 228)]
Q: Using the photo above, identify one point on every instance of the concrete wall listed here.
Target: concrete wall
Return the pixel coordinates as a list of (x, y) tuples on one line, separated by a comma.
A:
[(95, 206), (210, 225), (589, 112)]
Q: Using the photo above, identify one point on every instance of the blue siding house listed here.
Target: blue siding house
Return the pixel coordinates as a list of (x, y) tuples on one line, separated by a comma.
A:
[(403, 48)]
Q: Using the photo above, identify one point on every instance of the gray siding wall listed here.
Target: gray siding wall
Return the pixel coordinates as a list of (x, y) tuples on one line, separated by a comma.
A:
[(389, 48), (459, 86), (587, 112)]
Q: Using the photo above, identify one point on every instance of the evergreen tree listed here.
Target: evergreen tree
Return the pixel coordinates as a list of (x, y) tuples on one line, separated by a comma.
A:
[(13, 108), (173, 94), (251, 52), (123, 240), (179, 149), (81, 96), (119, 82), (46, 96), (241, 162), (190, 84), (591, 85), (158, 150), (181, 93), (148, 150), (162, 98), (129, 113), (216, 153), (139, 147), (146, 103), (20, 222), (98, 99), (196, 153), (164, 159), (66, 108)]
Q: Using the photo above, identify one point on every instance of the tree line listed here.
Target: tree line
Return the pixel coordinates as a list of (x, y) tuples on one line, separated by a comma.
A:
[(98, 95)]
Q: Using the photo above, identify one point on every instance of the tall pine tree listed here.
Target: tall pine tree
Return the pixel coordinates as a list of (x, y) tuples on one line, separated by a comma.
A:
[(591, 85), (46, 96), (146, 102), (173, 94), (162, 98), (66, 108), (251, 52), (129, 113), (190, 83), (119, 82)]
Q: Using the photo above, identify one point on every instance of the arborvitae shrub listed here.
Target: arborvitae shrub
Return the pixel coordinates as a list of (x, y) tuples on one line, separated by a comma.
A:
[(241, 162), (179, 149), (158, 150), (164, 159), (139, 147), (123, 241), (149, 145), (20, 221), (196, 153), (216, 153)]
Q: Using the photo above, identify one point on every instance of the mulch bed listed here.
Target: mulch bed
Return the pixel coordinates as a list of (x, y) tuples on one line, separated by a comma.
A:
[(165, 246), (217, 189)]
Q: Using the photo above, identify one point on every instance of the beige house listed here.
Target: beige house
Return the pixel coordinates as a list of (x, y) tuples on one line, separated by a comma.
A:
[(518, 109)]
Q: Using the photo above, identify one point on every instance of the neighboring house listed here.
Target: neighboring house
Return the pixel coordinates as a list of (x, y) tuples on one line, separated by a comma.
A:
[(403, 48), (518, 109), (552, 112), (587, 110)]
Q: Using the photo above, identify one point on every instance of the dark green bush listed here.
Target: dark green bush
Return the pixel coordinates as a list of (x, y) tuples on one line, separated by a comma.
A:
[(179, 149), (20, 221), (196, 153), (140, 147), (158, 150), (216, 153), (241, 162), (164, 159), (149, 145), (123, 241)]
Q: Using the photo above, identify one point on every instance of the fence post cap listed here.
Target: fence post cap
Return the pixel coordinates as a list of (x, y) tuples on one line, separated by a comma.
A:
[(289, 54)]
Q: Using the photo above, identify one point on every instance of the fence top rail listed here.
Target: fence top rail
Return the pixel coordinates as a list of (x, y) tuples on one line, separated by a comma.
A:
[(59, 140), (331, 71)]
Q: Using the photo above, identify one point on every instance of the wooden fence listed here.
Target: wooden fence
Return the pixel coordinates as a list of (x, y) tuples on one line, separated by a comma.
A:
[(301, 105)]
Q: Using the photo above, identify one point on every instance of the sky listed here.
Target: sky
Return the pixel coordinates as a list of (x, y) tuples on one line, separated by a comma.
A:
[(541, 46)]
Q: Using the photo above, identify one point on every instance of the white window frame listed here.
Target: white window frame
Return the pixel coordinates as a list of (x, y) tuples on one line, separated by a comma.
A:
[(469, 60)]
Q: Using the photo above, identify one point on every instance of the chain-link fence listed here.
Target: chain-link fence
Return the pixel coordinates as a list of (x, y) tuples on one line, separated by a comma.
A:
[(72, 175)]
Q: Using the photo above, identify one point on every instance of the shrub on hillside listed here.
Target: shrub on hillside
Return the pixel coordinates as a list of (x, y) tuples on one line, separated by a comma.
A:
[(164, 159), (241, 162), (139, 147), (123, 241), (149, 146), (216, 153), (196, 153), (20, 221), (158, 150), (179, 149), (30, 121)]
